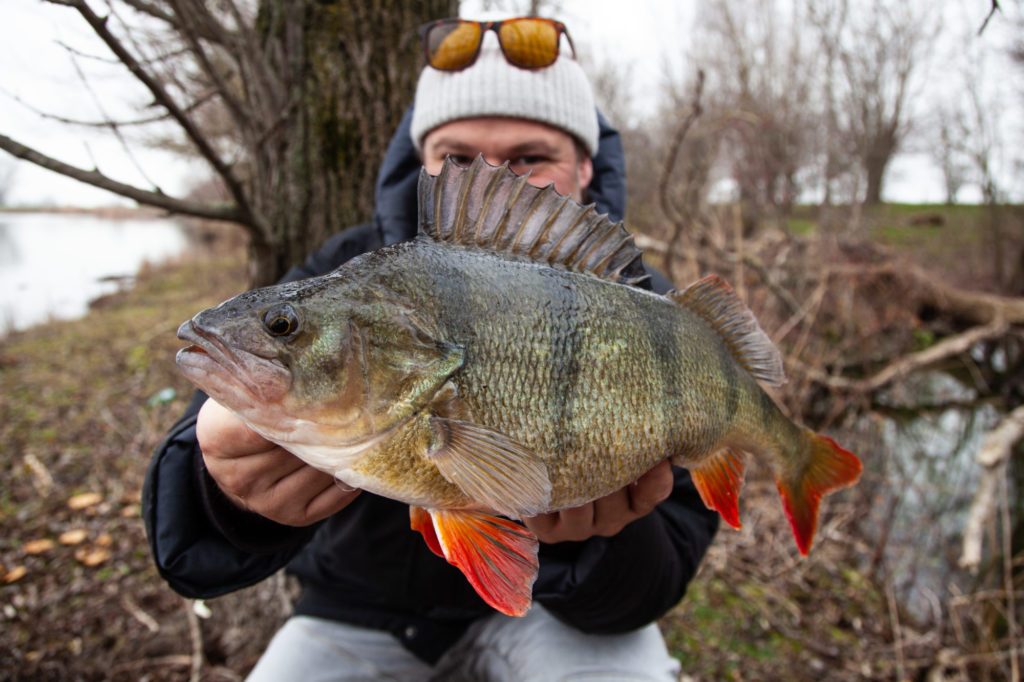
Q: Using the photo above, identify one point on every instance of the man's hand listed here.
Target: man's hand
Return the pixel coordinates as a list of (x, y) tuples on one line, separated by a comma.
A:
[(607, 515), (263, 477)]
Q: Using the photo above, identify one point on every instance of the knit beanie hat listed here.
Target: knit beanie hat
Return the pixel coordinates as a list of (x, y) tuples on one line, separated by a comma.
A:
[(558, 95)]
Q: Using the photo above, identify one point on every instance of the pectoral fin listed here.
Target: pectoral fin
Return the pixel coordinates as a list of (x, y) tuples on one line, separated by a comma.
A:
[(718, 479), (491, 468), (497, 556)]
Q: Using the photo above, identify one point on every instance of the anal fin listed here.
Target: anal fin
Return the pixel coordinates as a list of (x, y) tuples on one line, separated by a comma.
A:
[(497, 556), (718, 480)]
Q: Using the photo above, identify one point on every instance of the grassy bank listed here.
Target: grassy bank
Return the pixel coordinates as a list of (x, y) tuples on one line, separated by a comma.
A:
[(83, 404)]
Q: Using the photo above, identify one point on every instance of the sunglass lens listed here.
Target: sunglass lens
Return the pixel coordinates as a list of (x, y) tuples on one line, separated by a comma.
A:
[(452, 45), (530, 43)]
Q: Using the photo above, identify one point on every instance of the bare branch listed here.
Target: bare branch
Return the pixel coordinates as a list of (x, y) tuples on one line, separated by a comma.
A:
[(191, 22), (203, 99), (106, 60), (978, 307), (907, 364), (652, 245), (113, 128), (675, 145), (149, 9), (165, 100), (988, 17), (992, 456), (97, 179)]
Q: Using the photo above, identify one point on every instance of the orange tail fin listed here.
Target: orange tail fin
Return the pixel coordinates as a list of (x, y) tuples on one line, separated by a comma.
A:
[(828, 468), (497, 556)]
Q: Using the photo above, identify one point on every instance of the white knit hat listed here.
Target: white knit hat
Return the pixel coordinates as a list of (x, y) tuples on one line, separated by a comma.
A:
[(558, 95)]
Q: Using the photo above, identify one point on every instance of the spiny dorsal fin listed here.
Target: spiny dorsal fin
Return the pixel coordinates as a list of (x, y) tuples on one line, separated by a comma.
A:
[(714, 300), (493, 208)]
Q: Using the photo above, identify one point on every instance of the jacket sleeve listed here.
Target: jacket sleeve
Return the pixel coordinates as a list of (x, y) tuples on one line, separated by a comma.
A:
[(203, 544), (620, 583)]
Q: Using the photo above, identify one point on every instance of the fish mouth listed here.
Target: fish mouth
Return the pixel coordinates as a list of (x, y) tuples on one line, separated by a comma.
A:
[(221, 370)]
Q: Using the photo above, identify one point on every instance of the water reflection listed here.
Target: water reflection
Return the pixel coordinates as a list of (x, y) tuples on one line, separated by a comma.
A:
[(927, 432), (52, 265)]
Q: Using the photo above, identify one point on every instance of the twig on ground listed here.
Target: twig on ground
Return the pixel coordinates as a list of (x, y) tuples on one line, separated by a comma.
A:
[(196, 637), (897, 633), (138, 614)]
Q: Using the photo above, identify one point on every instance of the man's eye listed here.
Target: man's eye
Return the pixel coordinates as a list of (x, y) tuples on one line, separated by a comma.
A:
[(461, 159), (529, 160)]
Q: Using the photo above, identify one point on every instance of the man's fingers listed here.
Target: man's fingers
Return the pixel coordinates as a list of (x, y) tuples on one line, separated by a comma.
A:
[(301, 497), (252, 475), (221, 433), (331, 499), (607, 515), (651, 489)]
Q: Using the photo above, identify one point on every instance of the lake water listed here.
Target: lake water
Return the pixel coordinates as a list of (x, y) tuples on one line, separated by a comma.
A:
[(53, 264)]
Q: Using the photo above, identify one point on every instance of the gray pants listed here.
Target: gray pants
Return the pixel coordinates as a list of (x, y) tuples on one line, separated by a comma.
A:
[(535, 648)]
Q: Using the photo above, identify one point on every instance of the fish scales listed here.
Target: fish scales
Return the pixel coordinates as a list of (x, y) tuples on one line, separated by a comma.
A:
[(500, 365), (576, 368)]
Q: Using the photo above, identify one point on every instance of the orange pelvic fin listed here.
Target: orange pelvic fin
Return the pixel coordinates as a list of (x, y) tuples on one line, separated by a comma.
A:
[(497, 556), (828, 468), (718, 479), (419, 519)]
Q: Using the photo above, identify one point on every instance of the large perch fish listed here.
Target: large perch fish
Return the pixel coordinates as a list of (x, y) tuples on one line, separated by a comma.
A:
[(499, 364)]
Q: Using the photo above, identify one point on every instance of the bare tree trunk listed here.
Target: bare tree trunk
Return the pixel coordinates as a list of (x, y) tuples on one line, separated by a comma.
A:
[(876, 160), (351, 68)]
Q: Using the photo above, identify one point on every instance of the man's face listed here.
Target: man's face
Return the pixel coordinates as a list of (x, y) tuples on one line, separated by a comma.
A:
[(527, 145)]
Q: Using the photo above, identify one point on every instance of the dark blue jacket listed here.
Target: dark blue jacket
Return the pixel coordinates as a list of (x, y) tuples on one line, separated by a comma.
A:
[(364, 565)]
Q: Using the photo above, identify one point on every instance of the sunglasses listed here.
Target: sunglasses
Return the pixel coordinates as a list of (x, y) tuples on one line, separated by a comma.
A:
[(526, 42)]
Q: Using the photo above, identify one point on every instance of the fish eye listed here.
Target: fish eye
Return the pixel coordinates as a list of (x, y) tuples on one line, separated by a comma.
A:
[(281, 320)]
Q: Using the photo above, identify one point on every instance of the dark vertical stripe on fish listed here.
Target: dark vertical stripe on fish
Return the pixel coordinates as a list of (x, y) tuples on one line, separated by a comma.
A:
[(564, 325), (662, 340), (730, 376), (768, 410)]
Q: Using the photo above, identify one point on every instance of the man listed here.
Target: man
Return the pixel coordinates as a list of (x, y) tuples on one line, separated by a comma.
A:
[(225, 508)]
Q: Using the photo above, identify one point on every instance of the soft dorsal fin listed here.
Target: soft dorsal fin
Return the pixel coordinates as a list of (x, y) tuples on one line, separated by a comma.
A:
[(493, 208), (715, 301)]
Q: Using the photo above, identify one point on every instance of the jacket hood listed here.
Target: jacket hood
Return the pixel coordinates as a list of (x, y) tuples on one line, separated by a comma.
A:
[(395, 196)]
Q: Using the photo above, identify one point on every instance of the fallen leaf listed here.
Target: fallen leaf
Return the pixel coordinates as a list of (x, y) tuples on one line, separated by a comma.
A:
[(73, 537), (104, 540), (38, 546), (84, 500), (16, 573), (42, 479), (91, 556), (131, 511)]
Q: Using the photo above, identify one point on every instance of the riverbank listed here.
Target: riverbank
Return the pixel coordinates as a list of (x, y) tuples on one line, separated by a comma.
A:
[(83, 404)]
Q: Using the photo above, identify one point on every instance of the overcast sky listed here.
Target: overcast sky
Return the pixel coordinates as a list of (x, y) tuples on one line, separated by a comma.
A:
[(39, 71)]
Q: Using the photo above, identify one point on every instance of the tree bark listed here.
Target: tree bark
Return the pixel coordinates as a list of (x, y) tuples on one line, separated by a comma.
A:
[(350, 72)]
